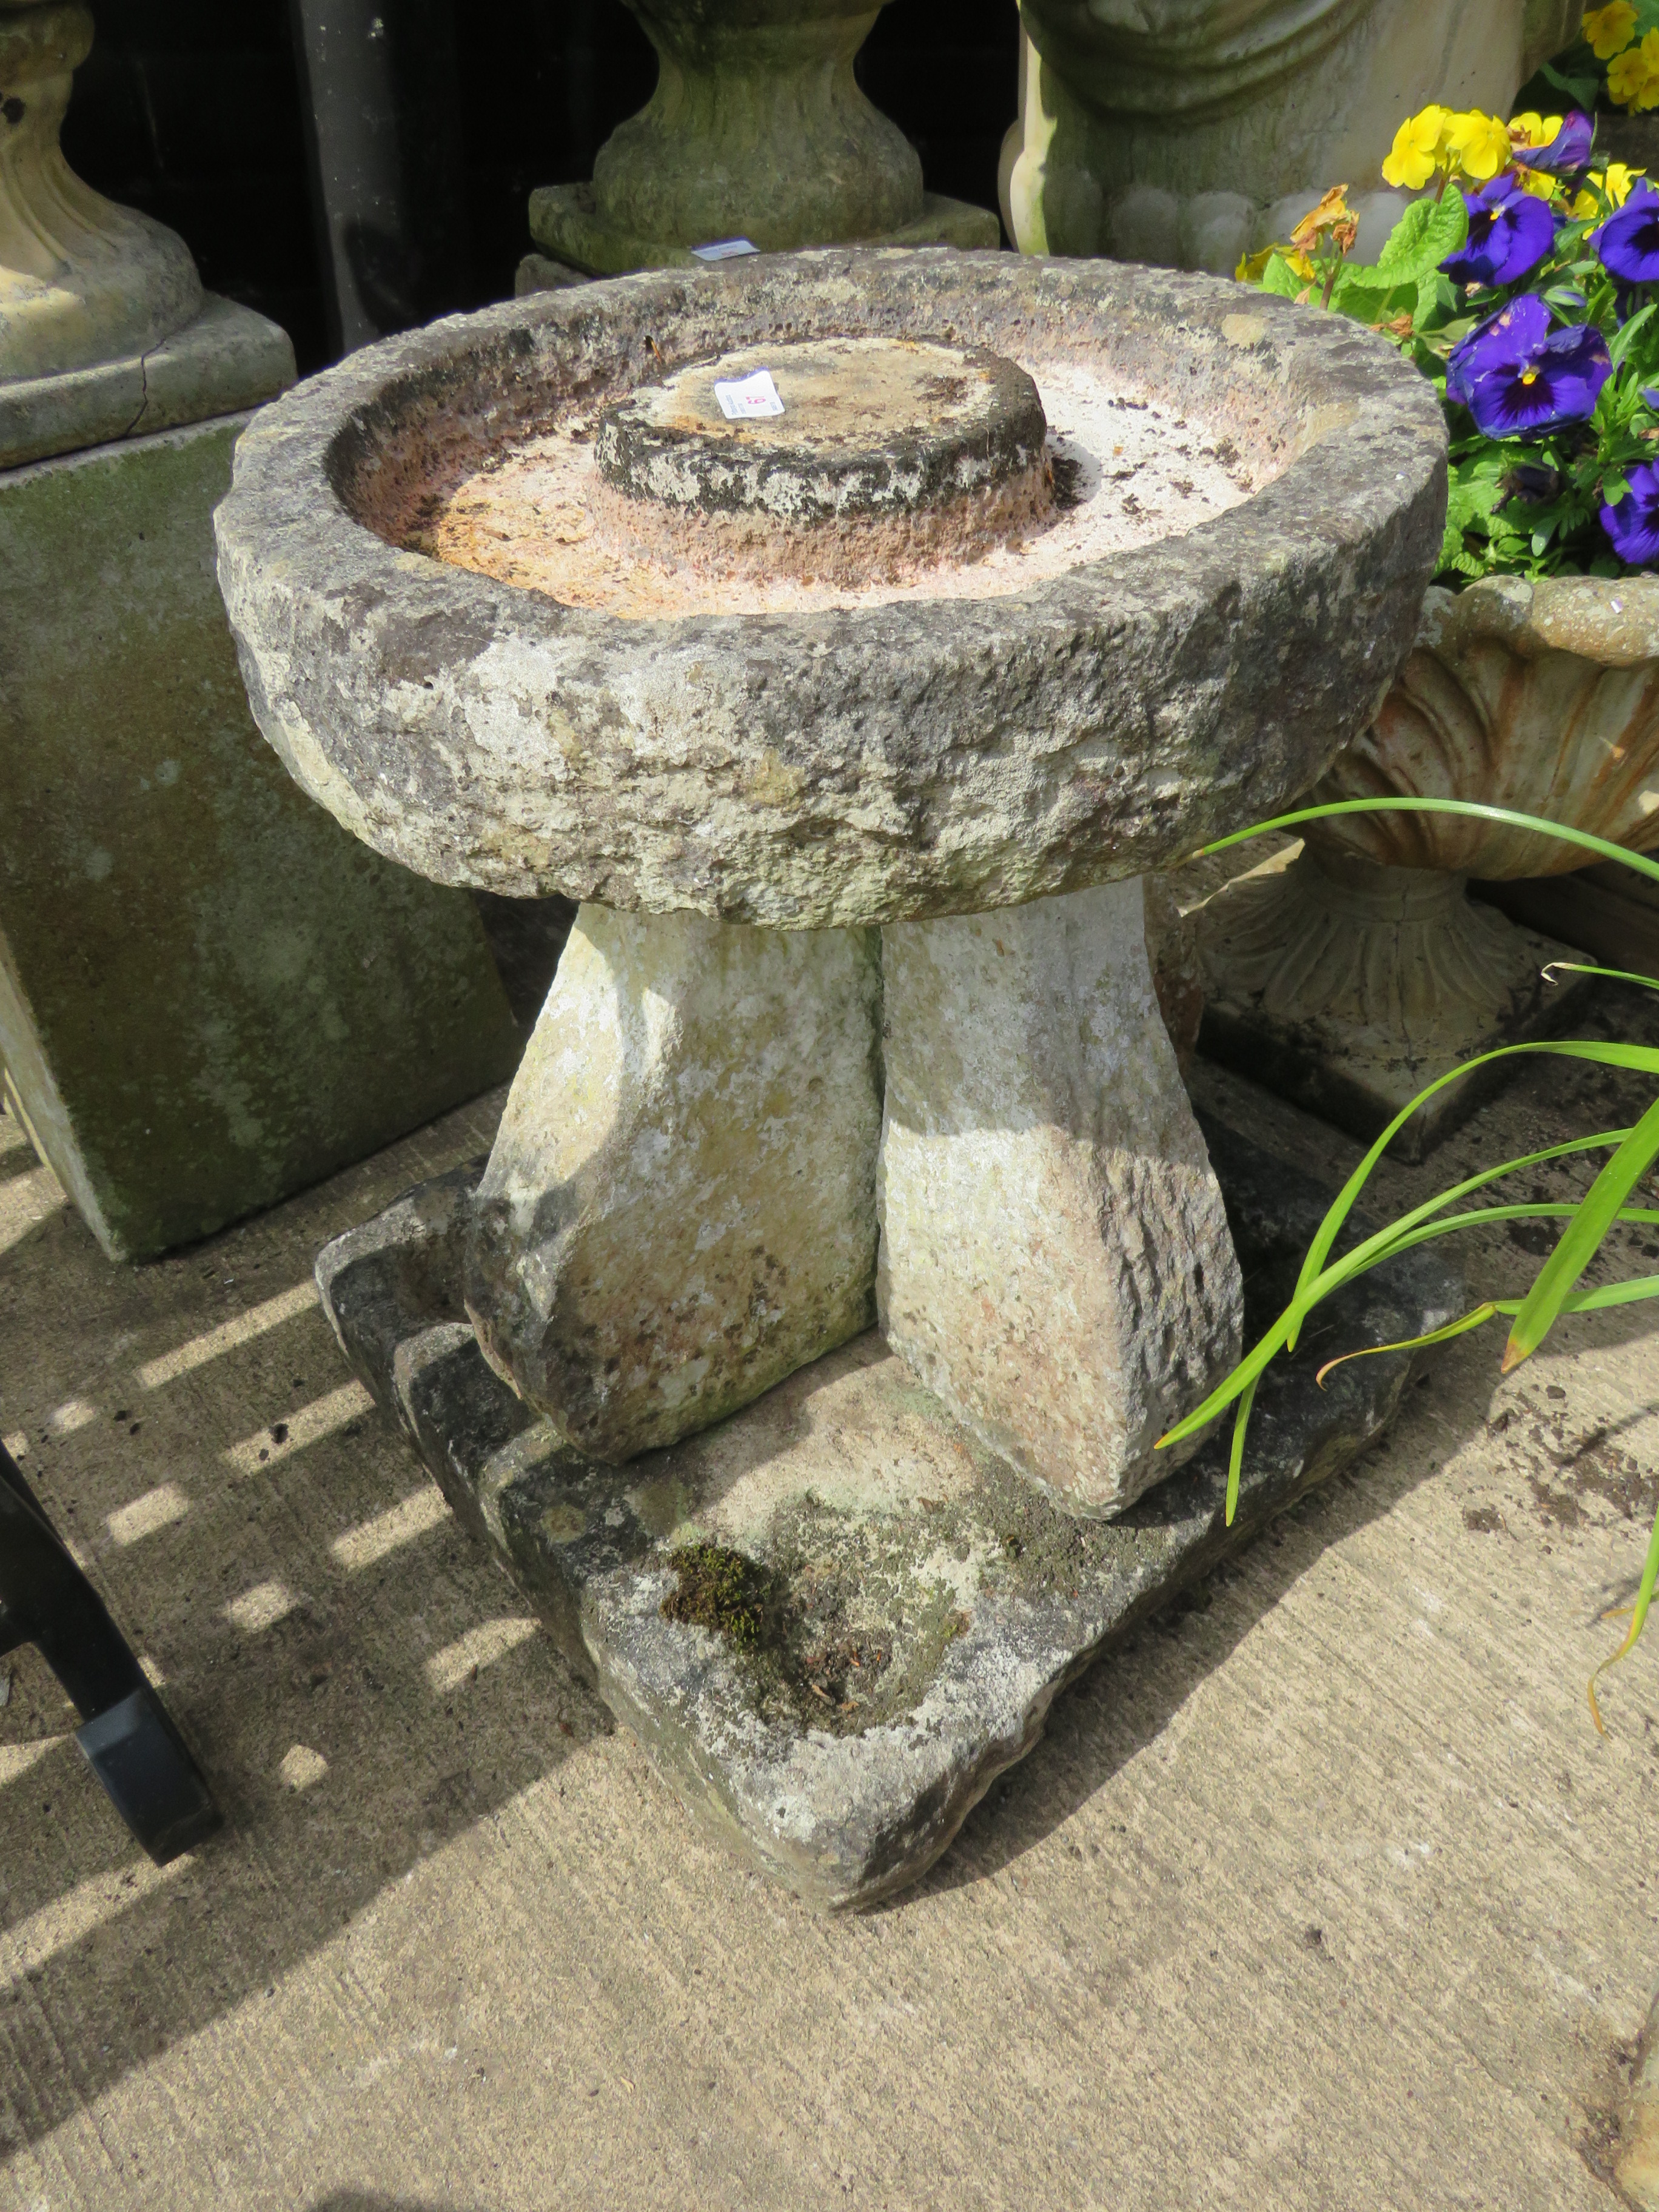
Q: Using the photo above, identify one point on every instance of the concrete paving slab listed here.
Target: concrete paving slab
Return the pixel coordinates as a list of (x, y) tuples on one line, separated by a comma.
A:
[(1323, 1893)]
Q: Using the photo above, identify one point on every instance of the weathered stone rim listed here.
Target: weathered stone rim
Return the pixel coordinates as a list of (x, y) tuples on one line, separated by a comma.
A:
[(864, 765)]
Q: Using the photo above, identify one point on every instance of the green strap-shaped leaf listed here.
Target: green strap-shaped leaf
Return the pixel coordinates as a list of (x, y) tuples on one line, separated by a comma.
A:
[(1608, 975), (1581, 1238), (1460, 1326), (1476, 810), (1637, 1620), (1236, 1458), (1400, 1237), (1644, 1058)]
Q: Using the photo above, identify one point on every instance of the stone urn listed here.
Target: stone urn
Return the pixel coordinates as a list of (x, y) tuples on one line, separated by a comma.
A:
[(1190, 131), (851, 634), (1354, 972), (758, 129), (82, 280)]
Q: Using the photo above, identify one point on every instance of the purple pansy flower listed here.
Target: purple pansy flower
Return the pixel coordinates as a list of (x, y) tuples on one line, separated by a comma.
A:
[(1519, 379), (1570, 149), (1509, 337), (1628, 242), (1510, 232), (1633, 523)]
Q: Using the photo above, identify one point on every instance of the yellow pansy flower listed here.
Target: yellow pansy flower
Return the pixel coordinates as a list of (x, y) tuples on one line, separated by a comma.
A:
[(1619, 181), (1616, 184), (1538, 182), (1481, 144), (1633, 78), (1418, 146), (1610, 29), (1532, 129)]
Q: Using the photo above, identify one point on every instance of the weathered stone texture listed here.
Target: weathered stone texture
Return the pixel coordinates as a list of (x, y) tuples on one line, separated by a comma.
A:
[(1056, 1262), (884, 1533), (209, 995), (874, 764), (680, 1207)]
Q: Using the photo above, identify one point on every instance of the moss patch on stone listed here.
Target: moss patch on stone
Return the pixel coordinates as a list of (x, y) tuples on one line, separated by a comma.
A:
[(718, 1589)]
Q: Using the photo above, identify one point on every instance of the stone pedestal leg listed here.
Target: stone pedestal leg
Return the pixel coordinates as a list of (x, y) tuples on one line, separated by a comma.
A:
[(1055, 1263), (680, 1207)]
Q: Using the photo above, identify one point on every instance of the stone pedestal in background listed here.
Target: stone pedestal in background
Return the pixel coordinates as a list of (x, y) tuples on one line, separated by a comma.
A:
[(1189, 133), (758, 129), (209, 995)]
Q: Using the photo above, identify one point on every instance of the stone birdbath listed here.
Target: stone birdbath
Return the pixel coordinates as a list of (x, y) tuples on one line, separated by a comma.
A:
[(853, 723)]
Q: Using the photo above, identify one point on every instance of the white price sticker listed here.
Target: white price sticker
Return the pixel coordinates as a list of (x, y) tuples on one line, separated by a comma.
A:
[(724, 249), (749, 397)]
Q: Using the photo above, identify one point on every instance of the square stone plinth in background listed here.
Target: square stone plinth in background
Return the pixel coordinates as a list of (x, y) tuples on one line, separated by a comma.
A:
[(211, 995)]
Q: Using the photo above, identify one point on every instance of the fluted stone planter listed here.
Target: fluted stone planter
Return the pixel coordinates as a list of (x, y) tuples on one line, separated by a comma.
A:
[(1188, 132), (758, 129), (1353, 973)]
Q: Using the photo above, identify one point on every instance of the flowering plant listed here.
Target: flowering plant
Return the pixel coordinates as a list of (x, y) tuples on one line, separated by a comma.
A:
[(1614, 61), (1522, 285)]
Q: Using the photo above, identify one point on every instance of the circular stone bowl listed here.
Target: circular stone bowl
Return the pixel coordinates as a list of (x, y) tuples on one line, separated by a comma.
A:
[(849, 765)]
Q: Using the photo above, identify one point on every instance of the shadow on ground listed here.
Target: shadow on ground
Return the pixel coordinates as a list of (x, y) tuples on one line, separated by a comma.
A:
[(355, 1708), (392, 1703)]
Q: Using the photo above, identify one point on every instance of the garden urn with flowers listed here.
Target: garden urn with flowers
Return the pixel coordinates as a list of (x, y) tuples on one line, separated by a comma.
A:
[(1352, 971)]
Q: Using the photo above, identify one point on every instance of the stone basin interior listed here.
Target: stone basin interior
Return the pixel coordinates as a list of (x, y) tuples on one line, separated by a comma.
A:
[(493, 467)]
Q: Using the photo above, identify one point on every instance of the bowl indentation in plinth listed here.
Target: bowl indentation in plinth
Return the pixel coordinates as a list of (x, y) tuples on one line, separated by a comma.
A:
[(1115, 469)]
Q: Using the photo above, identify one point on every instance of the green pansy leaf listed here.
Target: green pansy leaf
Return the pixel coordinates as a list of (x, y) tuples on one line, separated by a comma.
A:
[(1427, 231), (1366, 303), (1621, 341)]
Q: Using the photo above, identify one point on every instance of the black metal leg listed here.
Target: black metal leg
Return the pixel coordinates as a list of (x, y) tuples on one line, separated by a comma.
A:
[(129, 1743)]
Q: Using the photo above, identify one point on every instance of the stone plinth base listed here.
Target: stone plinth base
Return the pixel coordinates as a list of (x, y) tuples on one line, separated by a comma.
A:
[(575, 238), (895, 1608), (211, 995), (228, 358), (1349, 988)]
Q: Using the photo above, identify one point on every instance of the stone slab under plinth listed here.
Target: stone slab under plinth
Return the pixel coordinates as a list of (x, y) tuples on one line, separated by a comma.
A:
[(895, 1608), (567, 224), (1349, 988), (209, 995), (226, 360)]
